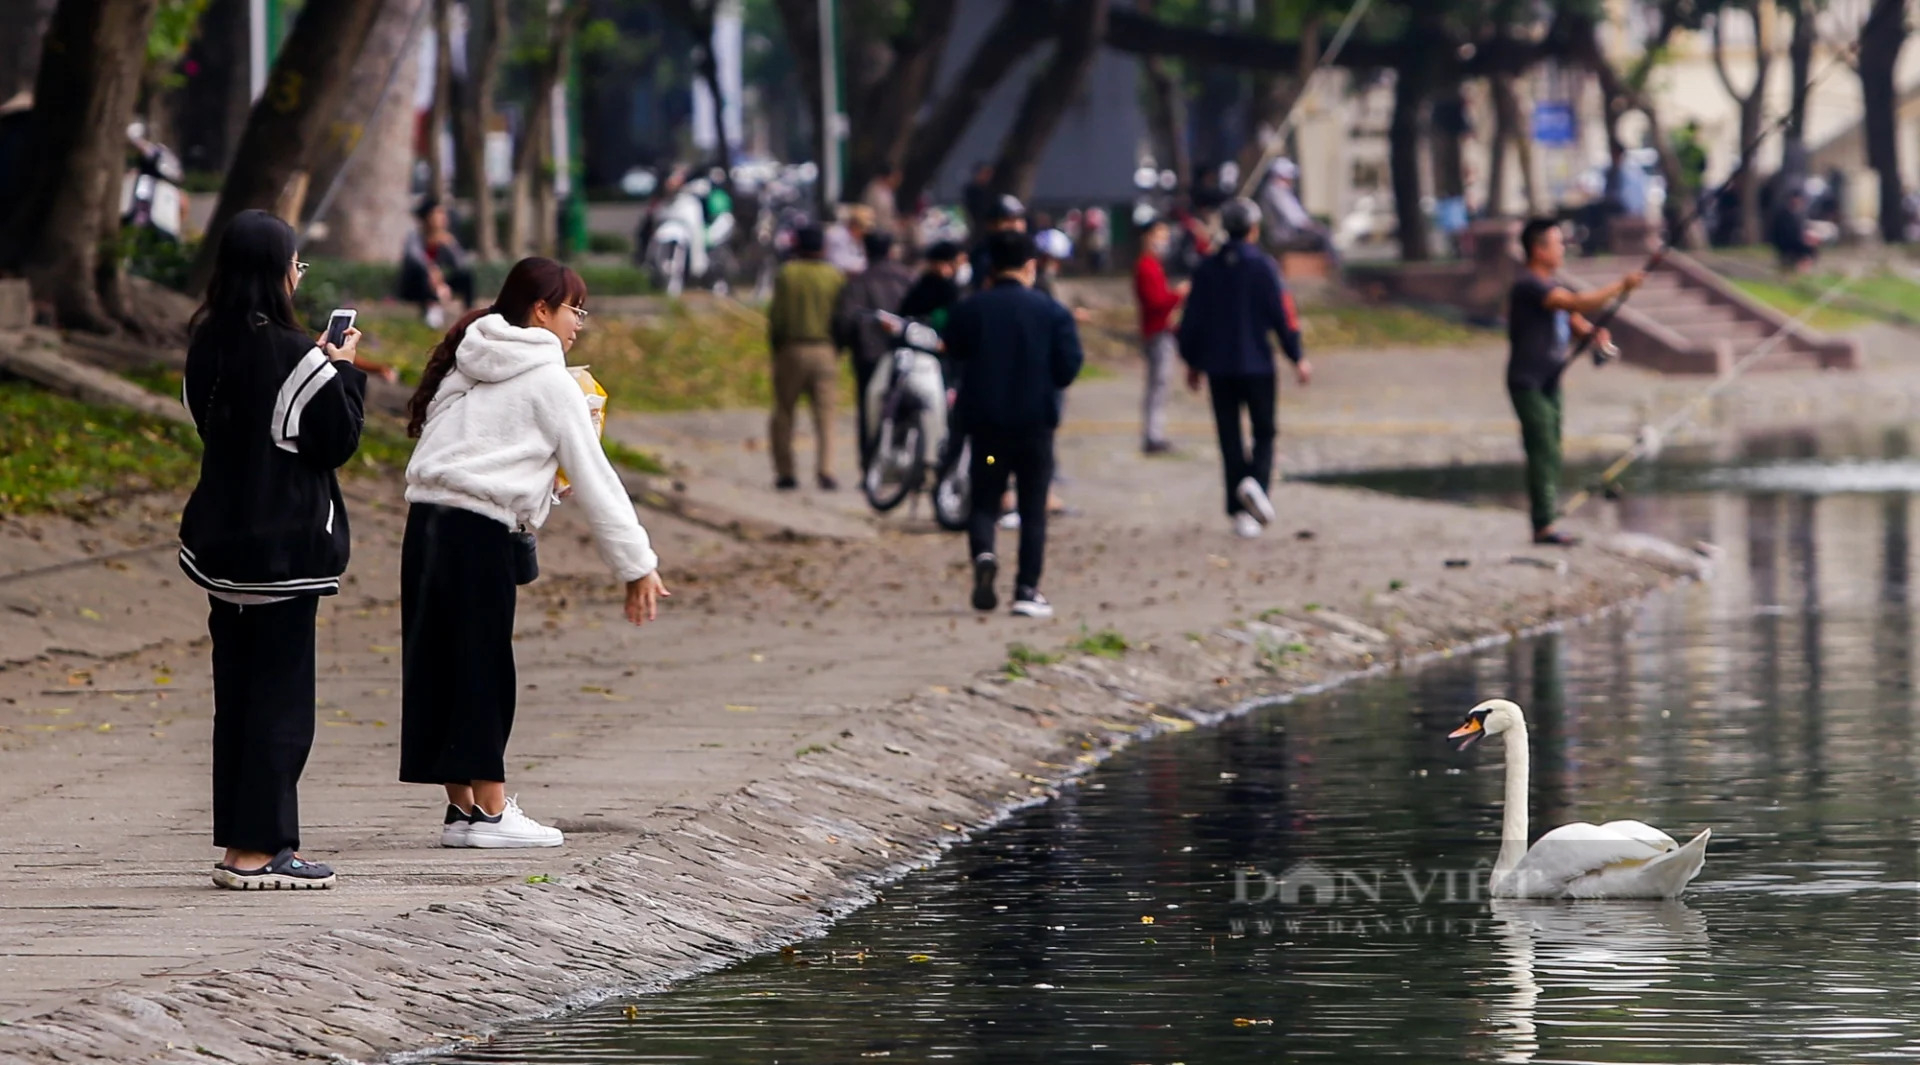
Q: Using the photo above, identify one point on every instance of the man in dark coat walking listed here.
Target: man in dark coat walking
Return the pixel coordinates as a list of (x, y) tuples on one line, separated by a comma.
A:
[(1236, 303), (1017, 350)]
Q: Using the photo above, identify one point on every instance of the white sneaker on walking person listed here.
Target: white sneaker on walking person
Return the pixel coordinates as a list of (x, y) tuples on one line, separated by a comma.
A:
[(511, 827), (1029, 603), (1254, 498), (1246, 526)]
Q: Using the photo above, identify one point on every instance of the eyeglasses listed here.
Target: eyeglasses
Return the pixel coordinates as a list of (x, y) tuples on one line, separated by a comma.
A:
[(300, 268), (578, 312)]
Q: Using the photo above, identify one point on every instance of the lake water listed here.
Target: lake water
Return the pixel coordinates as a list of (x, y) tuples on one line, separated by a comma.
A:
[(1153, 913)]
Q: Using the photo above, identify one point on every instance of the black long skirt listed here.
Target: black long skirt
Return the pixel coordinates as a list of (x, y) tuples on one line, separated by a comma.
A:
[(456, 618)]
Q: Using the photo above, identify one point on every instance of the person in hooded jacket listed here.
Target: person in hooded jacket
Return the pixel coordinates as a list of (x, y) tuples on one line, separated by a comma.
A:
[(265, 534), (498, 417)]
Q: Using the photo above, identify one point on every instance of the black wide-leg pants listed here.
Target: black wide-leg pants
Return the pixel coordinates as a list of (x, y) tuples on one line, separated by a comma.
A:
[(458, 682), (263, 673)]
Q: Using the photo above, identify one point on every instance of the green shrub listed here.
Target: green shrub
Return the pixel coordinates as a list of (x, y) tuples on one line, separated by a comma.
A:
[(609, 244)]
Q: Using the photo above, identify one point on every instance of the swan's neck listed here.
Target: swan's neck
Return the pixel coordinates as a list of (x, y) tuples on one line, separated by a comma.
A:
[(1513, 831)]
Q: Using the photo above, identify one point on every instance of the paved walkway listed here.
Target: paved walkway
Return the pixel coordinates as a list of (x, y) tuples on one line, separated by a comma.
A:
[(766, 652)]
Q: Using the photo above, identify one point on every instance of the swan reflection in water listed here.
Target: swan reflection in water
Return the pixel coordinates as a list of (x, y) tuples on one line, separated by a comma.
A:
[(1601, 955)]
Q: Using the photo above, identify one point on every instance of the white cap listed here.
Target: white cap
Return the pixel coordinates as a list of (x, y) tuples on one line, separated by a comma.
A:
[(1284, 169), (1053, 244)]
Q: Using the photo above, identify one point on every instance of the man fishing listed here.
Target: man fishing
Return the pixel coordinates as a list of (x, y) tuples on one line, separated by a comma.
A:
[(1543, 315)]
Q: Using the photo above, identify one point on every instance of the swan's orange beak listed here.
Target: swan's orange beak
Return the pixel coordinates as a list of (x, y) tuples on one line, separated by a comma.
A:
[(1468, 733)]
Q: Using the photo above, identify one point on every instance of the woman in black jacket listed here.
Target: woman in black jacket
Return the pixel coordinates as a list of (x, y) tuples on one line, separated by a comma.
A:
[(265, 533)]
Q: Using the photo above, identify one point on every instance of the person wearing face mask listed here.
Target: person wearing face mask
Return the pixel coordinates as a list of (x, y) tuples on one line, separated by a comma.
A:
[(1158, 300), (498, 416)]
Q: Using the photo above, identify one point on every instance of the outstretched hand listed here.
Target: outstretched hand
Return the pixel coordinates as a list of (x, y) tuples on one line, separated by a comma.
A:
[(643, 598)]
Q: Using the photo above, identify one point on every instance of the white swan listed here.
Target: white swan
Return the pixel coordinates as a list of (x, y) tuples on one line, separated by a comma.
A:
[(1617, 860)]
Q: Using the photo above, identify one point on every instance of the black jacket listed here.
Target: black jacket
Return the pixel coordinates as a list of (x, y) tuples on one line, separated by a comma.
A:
[(931, 299), (1236, 301), (1016, 349), (878, 288), (277, 418)]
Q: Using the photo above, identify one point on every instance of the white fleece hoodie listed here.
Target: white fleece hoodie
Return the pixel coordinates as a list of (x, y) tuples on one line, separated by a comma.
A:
[(506, 418)]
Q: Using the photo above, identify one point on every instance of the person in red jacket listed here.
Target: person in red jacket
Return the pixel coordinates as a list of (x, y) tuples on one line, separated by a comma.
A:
[(1158, 301)]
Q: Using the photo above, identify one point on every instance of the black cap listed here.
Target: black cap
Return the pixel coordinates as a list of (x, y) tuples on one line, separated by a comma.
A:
[(1009, 250), (1007, 207), (811, 240), (945, 251)]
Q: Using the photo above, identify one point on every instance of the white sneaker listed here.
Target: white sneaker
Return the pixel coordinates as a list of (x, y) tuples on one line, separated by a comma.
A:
[(1010, 520), (510, 828), (1246, 526), (1029, 603), (455, 829), (1254, 498)]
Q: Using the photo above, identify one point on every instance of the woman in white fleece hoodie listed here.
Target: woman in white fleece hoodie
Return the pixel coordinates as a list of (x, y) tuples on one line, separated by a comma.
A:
[(497, 415)]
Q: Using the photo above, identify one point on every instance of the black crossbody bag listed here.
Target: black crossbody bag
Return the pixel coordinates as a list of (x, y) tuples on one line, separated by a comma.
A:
[(526, 556)]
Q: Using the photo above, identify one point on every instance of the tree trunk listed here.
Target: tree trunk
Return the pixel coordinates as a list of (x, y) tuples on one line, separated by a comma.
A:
[(1168, 116), (487, 33), (532, 182), (58, 232), (1403, 143), (1881, 38), (1752, 103), (20, 53), (883, 110), (1019, 30), (1793, 152), (372, 149), (288, 122), (1505, 119), (1274, 92), (439, 181), (1449, 113), (1682, 217), (1056, 89), (801, 20)]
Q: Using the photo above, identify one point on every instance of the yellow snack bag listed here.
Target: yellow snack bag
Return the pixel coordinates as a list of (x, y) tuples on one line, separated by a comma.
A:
[(596, 405)]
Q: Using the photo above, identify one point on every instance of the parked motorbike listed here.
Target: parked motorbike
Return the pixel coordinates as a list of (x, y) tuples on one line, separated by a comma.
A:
[(684, 236), (907, 424), (150, 196)]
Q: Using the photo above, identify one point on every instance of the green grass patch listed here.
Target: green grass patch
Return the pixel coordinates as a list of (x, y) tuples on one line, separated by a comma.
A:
[(1107, 643), (1792, 298), (1021, 658), (680, 360), (1370, 326), (59, 455), (634, 459)]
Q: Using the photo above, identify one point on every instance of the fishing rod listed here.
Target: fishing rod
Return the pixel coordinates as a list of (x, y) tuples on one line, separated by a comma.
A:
[(1652, 437), (1277, 144), (1745, 162)]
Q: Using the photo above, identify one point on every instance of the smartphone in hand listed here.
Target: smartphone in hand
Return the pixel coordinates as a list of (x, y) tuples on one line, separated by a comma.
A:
[(337, 325)]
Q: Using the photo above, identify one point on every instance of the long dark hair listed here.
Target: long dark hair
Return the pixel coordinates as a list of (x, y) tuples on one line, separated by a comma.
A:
[(249, 284), (531, 281)]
